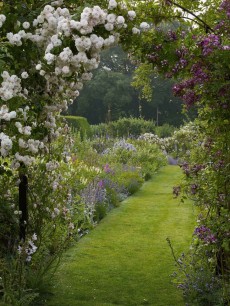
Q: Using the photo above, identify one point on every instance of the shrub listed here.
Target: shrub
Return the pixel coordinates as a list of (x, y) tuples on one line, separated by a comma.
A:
[(79, 124), (165, 130), (120, 153), (100, 130), (131, 180), (148, 157), (100, 144), (195, 278), (125, 127)]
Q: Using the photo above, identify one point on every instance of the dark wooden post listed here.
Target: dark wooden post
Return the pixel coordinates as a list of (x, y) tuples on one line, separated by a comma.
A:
[(23, 219)]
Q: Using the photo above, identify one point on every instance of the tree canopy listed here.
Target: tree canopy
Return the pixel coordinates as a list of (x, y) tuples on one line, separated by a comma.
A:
[(111, 94)]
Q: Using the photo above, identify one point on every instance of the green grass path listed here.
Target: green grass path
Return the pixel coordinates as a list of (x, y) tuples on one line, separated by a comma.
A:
[(126, 260)]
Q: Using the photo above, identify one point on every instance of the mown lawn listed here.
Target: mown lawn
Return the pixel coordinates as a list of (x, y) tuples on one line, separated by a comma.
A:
[(126, 260)]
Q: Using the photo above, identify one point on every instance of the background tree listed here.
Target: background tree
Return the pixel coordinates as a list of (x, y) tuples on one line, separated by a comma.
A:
[(107, 97), (114, 94)]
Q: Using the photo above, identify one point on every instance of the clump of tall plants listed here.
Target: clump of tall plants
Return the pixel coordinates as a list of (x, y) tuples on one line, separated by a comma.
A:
[(195, 52), (47, 53), (189, 43), (124, 127)]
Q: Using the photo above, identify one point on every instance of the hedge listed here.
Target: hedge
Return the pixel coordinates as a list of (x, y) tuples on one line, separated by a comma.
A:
[(79, 124)]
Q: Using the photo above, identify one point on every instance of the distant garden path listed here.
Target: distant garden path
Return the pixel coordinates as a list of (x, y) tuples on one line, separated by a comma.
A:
[(125, 260)]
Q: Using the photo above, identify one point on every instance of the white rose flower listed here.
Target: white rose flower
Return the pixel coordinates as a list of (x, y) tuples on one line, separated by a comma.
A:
[(24, 75), (6, 144), (120, 20), (35, 22), (144, 26), (111, 18), (131, 15), (40, 19), (135, 31), (49, 57), (42, 72), (26, 25), (27, 130), (38, 67), (18, 125), (65, 70), (9, 116), (112, 4), (2, 18), (22, 143), (109, 26)]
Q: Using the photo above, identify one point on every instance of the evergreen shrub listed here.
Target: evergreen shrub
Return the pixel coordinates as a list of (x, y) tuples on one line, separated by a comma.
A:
[(124, 127), (79, 124)]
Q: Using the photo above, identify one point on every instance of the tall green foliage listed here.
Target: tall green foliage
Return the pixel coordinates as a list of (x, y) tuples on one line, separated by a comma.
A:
[(79, 124), (124, 127), (196, 55)]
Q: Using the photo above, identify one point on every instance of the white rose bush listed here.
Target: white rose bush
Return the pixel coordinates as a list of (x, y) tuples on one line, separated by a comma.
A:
[(47, 53)]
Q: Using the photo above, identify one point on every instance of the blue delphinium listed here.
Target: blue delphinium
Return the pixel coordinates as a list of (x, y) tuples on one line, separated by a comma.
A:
[(122, 144)]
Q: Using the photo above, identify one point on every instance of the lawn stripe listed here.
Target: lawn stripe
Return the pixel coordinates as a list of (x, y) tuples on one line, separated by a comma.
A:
[(125, 260)]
